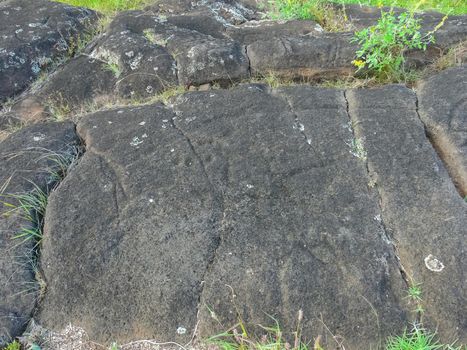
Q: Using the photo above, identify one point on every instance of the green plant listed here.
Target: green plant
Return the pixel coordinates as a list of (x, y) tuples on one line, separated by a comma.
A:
[(383, 45), (357, 148), (329, 17), (114, 346), (238, 338), (417, 339), (58, 109), (114, 68), (13, 346), (414, 294), (108, 6), (30, 206)]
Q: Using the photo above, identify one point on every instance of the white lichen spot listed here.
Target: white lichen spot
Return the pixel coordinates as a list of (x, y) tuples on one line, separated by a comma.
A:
[(142, 123), (119, 112), (318, 28), (135, 63), (151, 200), (249, 186), (144, 136), (172, 150), (377, 218), (432, 263), (299, 126), (17, 31), (149, 89), (308, 141), (38, 137), (130, 54), (109, 122), (136, 141), (181, 330)]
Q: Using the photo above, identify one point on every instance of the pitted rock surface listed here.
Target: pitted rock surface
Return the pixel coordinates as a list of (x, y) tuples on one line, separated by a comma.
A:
[(240, 199), (222, 189), (24, 161), (33, 35), (420, 206)]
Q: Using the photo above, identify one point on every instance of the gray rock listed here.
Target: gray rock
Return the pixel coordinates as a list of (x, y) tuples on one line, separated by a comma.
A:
[(144, 68), (81, 80), (328, 55), (34, 35), (442, 103), (244, 188), (156, 225), (202, 22), (253, 31), (24, 163), (421, 208)]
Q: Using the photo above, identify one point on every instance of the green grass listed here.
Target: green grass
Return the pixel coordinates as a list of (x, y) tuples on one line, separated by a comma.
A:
[(320, 10), (31, 207), (13, 346), (417, 339), (238, 338), (444, 6), (107, 6)]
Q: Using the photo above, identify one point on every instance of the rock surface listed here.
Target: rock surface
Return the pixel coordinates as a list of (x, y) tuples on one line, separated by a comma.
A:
[(424, 214), (25, 158), (442, 103), (183, 43), (233, 199), (34, 35), (226, 192)]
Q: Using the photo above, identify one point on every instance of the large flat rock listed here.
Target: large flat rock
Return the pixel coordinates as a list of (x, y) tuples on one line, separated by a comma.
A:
[(421, 208), (34, 35), (171, 207), (25, 157)]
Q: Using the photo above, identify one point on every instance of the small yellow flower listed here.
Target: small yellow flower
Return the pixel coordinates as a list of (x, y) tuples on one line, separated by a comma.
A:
[(358, 63)]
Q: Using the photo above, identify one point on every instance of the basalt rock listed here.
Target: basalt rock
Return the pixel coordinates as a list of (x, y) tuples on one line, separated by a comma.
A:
[(35, 34)]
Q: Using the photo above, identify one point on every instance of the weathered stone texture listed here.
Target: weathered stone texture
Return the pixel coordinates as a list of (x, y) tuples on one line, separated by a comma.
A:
[(33, 35), (223, 190), (442, 102), (421, 208)]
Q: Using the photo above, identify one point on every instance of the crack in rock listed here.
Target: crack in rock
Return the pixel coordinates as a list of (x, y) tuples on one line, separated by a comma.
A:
[(440, 145), (217, 211), (353, 125)]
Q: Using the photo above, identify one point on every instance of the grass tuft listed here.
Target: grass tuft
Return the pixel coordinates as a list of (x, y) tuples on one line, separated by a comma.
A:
[(417, 339), (30, 206), (108, 6), (13, 346)]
